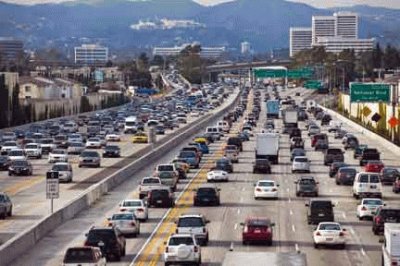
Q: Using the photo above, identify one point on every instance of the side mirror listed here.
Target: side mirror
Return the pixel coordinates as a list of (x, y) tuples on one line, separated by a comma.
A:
[(307, 205), (108, 218), (207, 221), (165, 242)]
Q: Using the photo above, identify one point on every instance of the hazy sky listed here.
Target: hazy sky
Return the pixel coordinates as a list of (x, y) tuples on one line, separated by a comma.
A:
[(316, 3)]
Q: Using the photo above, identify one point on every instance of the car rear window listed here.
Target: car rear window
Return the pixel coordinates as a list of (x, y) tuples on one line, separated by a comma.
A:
[(374, 179), (132, 204), (301, 160), (190, 222), (390, 213), (321, 204), (334, 151), (151, 181), (363, 179), (335, 227), (265, 184), (372, 202), (206, 191), (165, 168), (122, 216), (160, 193), (187, 154), (100, 235), (348, 171), (307, 182), (79, 255), (176, 241), (258, 223)]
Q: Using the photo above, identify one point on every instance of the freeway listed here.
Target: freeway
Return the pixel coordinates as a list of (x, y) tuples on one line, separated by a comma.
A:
[(292, 233)]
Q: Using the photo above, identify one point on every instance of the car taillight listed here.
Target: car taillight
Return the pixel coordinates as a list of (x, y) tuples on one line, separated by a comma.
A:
[(258, 189), (318, 233), (166, 249), (133, 223), (176, 230), (196, 249), (394, 263), (363, 208), (123, 209), (245, 229), (140, 210), (110, 224), (378, 220), (86, 243), (274, 190), (341, 234)]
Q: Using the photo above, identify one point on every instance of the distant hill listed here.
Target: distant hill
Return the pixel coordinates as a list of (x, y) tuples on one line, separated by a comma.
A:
[(123, 24)]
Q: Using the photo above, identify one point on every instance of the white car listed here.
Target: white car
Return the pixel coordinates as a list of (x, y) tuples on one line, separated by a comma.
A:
[(368, 207), (126, 222), (301, 164), (194, 224), (217, 175), (329, 234), (58, 155), (147, 184), (113, 137), (182, 248), (346, 136), (8, 146), (266, 189), (93, 143), (64, 170), (16, 154), (367, 185), (88, 256), (313, 130), (75, 138), (76, 148), (136, 206), (33, 150)]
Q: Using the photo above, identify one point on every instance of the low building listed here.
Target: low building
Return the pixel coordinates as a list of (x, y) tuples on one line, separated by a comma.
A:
[(91, 54), (46, 89), (206, 52), (338, 44)]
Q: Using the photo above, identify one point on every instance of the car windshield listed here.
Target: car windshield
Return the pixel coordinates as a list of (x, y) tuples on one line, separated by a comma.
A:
[(79, 255), (20, 163), (301, 160), (132, 203), (334, 227), (16, 153), (176, 241), (187, 154), (123, 216), (3, 198), (168, 168), (307, 181), (3, 158), (31, 146), (390, 170), (265, 184), (151, 181), (206, 191), (372, 202), (190, 222), (160, 193), (89, 154), (60, 167), (10, 144)]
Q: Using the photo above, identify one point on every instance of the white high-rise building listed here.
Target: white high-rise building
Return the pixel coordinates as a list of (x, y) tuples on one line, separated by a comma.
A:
[(323, 26), (89, 54), (300, 39), (346, 25), (338, 44), (245, 47)]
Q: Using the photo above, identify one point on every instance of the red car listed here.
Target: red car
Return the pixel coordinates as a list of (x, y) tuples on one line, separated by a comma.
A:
[(257, 229), (315, 138), (374, 166), (396, 185)]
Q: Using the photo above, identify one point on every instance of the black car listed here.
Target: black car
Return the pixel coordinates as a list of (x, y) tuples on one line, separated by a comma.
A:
[(334, 168), (351, 143), (388, 175), (20, 167), (306, 186), (326, 119), (4, 162), (160, 197), (295, 132), (110, 240), (262, 166), (159, 130), (333, 155), (224, 164), (319, 211), (235, 141), (384, 215), (112, 151), (207, 195), (369, 154)]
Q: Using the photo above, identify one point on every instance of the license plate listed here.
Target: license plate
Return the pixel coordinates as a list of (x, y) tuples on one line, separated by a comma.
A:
[(266, 190), (257, 231), (329, 239), (321, 215), (391, 220), (159, 201), (373, 186)]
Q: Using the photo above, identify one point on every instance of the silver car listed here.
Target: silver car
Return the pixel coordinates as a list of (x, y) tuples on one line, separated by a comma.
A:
[(89, 158), (301, 164), (64, 170), (5, 206), (126, 222)]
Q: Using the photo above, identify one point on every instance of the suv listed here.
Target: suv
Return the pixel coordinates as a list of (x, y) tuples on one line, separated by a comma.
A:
[(384, 215), (367, 185), (345, 176), (84, 255), (262, 165), (319, 211), (306, 186), (20, 167), (167, 174), (235, 141), (110, 240), (334, 167), (182, 248), (206, 195), (194, 224), (369, 154), (333, 155), (147, 184), (161, 197), (5, 206)]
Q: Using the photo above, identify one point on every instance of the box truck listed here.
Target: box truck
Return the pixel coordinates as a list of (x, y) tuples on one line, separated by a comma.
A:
[(267, 147), (391, 245), (273, 109)]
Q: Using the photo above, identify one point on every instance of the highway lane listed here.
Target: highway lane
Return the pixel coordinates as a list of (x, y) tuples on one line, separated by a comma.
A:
[(28, 193)]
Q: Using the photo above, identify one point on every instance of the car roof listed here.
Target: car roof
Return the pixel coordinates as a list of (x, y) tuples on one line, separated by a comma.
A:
[(306, 177), (191, 216), (266, 180)]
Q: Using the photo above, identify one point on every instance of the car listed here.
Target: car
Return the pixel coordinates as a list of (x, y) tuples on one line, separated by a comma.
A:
[(16, 154), (147, 184), (235, 141), (257, 230), (264, 189), (126, 222), (140, 137), (191, 157), (65, 173), (93, 143), (33, 150), (5, 206), (168, 175), (345, 175), (396, 185), (321, 144), (319, 210), (206, 195), (297, 152), (334, 167), (195, 224), (4, 162), (262, 166), (224, 164), (84, 256), (367, 185), (114, 136), (369, 154), (334, 126), (159, 130), (182, 249), (306, 186), (388, 175), (340, 133), (333, 155), (110, 240), (20, 167), (316, 137), (232, 153), (368, 207), (313, 130), (136, 206), (7, 146), (217, 176), (384, 214), (112, 151), (76, 147), (329, 234), (102, 138), (359, 150), (351, 142), (160, 197), (89, 158), (58, 155), (373, 166), (301, 164), (296, 143), (326, 119)]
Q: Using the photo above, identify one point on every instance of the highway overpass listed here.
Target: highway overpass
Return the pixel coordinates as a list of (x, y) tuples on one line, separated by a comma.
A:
[(246, 65)]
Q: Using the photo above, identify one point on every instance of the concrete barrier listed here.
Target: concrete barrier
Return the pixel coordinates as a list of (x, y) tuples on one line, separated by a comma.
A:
[(25, 240), (364, 131)]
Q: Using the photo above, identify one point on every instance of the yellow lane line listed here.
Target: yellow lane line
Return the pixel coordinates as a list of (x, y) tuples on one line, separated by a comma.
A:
[(22, 185)]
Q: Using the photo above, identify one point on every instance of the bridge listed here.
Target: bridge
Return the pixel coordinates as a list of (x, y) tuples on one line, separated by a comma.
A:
[(246, 65)]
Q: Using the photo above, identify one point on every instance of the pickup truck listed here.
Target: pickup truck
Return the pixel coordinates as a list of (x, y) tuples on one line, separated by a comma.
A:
[(147, 184)]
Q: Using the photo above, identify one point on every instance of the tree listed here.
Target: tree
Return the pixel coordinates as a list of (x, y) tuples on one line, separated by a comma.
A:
[(3, 103), (190, 63), (391, 58), (158, 60), (143, 62)]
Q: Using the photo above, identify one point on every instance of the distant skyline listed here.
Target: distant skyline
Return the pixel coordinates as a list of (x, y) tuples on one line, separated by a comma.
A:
[(315, 3)]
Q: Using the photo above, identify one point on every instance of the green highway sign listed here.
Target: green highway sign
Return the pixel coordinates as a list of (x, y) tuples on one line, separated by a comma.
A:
[(305, 73), (269, 73), (313, 84), (369, 92)]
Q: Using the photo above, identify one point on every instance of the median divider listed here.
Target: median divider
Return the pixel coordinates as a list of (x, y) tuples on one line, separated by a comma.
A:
[(27, 239)]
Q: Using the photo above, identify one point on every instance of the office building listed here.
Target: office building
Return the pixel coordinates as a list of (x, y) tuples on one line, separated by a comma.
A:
[(91, 54), (167, 51), (300, 39), (323, 26), (245, 48), (10, 49), (346, 25), (212, 52), (338, 44)]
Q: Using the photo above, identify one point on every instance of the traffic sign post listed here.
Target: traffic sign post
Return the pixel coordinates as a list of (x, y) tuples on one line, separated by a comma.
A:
[(52, 187), (369, 92)]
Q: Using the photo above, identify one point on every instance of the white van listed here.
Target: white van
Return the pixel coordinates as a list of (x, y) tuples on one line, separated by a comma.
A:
[(224, 125), (215, 132), (367, 185), (130, 125)]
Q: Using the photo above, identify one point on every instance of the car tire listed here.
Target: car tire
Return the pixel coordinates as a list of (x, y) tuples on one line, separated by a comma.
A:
[(9, 174), (316, 246), (9, 213), (269, 243)]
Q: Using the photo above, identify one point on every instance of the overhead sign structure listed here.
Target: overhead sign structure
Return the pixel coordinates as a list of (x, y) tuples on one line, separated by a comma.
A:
[(369, 92), (305, 73)]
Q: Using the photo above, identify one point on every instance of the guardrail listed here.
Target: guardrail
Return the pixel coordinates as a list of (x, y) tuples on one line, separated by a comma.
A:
[(25, 240)]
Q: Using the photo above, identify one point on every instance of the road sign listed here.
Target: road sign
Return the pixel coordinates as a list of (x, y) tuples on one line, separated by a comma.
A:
[(313, 84), (270, 73), (369, 92), (376, 117), (52, 185), (366, 111), (393, 121), (305, 73)]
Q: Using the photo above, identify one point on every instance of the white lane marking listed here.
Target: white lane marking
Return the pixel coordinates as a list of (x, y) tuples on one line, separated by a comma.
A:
[(231, 247), (330, 190), (288, 190), (290, 212), (296, 246), (289, 200), (293, 228), (363, 252), (236, 226), (238, 211), (243, 189), (344, 215), (241, 199)]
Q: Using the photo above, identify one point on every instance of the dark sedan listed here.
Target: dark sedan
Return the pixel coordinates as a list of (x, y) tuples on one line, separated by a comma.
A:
[(111, 151), (207, 195), (4, 162), (224, 164), (20, 167)]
